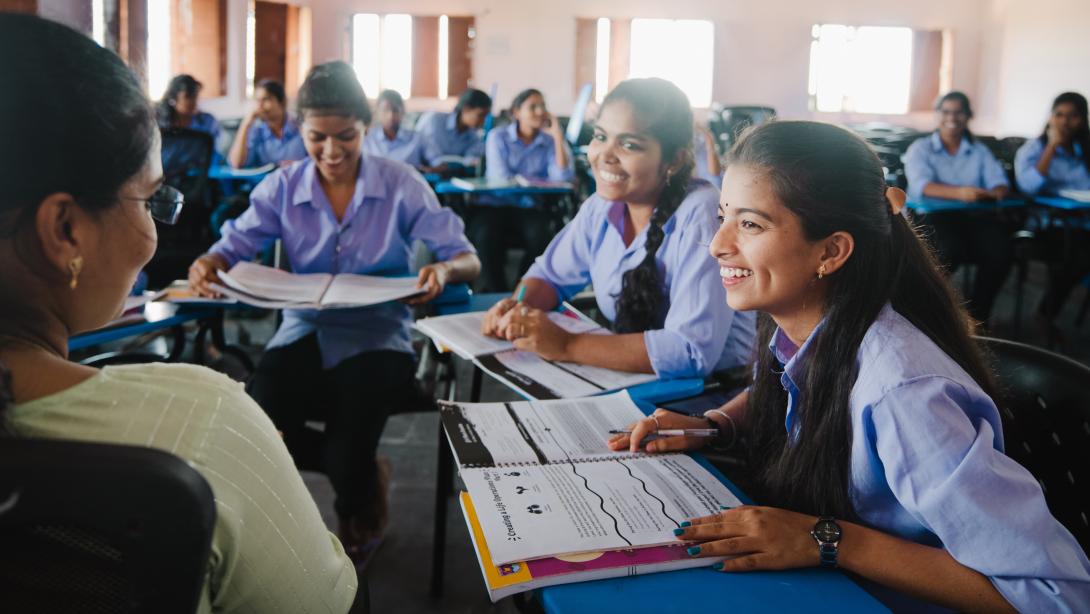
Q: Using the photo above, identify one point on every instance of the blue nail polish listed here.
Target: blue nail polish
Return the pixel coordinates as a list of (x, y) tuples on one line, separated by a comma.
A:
[(718, 566), (686, 523), (679, 532), (695, 550), (725, 507)]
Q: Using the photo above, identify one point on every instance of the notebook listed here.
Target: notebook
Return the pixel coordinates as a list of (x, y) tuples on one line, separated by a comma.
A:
[(264, 286), (545, 484), (527, 372), (505, 580)]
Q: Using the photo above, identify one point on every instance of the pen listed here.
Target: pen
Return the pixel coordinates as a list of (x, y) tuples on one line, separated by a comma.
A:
[(521, 294), (673, 432)]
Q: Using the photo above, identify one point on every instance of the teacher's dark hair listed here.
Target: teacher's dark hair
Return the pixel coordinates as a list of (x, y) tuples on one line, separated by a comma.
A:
[(831, 180), (665, 115), (48, 145)]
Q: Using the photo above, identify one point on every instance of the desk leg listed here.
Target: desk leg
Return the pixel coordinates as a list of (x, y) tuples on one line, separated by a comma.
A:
[(178, 346), (475, 388), (444, 476)]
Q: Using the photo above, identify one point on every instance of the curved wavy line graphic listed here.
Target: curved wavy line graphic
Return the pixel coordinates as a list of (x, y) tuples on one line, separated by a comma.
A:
[(601, 504)]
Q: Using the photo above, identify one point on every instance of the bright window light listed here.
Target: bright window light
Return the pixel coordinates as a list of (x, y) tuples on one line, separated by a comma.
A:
[(159, 71), (98, 21), (397, 54), (367, 51), (676, 50), (601, 60), (864, 70), (251, 48), (444, 57)]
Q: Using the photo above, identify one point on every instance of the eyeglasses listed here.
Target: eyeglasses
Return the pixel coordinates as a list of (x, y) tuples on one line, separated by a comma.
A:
[(165, 205)]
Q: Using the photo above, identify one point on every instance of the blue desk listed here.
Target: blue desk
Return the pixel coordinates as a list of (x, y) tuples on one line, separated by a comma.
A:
[(1059, 202), (706, 590), (939, 205), (153, 321), (447, 187), (224, 172)]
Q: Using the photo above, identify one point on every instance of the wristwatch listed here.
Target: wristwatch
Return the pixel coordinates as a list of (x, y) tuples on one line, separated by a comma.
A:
[(827, 534)]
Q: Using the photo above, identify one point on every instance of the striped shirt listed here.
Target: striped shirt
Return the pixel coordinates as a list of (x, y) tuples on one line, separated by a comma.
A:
[(270, 550)]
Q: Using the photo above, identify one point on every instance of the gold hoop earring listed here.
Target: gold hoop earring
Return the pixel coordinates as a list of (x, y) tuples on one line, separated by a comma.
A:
[(821, 271), (75, 266)]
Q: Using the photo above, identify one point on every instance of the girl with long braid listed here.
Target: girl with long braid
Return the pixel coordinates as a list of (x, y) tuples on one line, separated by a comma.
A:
[(633, 241)]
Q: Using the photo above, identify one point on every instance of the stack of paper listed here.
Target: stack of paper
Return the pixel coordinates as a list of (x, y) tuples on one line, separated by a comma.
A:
[(264, 286)]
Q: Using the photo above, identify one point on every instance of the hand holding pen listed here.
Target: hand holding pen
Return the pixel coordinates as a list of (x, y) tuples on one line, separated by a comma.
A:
[(664, 424)]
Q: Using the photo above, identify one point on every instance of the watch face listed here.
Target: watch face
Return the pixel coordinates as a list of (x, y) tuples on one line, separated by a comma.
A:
[(827, 531)]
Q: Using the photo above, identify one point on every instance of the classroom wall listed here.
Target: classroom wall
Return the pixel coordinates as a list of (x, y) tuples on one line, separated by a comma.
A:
[(1040, 49), (762, 49)]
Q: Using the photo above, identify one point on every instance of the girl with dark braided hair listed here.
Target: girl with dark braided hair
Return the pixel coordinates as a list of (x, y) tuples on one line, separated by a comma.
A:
[(633, 241)]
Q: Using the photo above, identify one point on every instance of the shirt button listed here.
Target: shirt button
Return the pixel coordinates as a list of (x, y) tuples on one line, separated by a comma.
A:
[(338, 249)]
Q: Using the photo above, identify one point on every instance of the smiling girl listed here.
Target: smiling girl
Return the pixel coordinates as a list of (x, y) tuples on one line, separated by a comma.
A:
[(342, 211), (869, 422), (633, 241)]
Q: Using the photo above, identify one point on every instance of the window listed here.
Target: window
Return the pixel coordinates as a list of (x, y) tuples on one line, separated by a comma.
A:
[(186, 36), (414, 55), (609, 51), (863, 70)]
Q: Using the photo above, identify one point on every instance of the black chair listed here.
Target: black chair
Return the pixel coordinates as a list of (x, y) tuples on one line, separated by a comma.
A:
[(1045, 406), (728, 122), (88, 527), (187, 159)]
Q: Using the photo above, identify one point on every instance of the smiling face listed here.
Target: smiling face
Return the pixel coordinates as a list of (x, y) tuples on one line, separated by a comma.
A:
[(953, 118), (333, 142), (765, 261), (531, 113), (626, 160)]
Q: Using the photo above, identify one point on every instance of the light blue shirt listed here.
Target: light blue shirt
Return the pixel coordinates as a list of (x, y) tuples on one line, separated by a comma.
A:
[(406, 146), (700, 156), (973, 165), (700, 332), (505, 155), (1067, 171), (441, 138), (927, 465), (264, 147), (391, 207)]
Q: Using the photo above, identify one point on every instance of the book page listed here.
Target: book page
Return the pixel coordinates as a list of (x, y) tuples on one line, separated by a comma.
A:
[(536, 377), (461, 333), (349, 290), (536, 432), (608, 379), (541, 511), (274, 285)]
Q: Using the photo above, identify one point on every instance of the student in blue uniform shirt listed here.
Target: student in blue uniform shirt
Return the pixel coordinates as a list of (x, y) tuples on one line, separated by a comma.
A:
[(706, 155), (951, 164), (1057, 160), (869, 424), (342, 211), (531, 146), (267, 135), (457, 133), (634, 241), (388, 139), (179, 109)]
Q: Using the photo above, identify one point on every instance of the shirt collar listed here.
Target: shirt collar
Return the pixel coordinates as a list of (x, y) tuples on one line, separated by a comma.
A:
[(936, 144), (792, 357), (368, 181), (510, 133), (615, 218)]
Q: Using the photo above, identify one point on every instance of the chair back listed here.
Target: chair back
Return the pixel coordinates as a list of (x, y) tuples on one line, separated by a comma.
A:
[(89, 527), (728, 122), (1045, 405)]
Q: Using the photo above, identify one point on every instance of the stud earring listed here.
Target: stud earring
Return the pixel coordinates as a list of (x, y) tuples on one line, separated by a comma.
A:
[(821, 271), (75, 265)]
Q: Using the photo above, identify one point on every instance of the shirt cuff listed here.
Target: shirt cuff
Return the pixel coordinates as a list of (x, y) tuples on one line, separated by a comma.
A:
[(672, 356)]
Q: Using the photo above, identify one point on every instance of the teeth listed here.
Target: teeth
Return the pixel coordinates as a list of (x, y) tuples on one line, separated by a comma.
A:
[(733, 272), (610, 177)]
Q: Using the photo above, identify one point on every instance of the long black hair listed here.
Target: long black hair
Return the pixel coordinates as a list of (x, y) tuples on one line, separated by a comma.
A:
[(1082, 137), (332, 88), (48, 145), (831, 180), (180, 84), (961, 99), (666, 116)]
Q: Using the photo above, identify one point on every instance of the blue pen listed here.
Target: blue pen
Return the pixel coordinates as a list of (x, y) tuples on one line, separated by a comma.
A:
[(521, 294)]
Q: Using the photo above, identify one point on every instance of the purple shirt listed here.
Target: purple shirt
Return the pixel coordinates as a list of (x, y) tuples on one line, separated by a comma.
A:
[(927, 465), (391, 207), (505, 156), (406, 146), (700, 332)]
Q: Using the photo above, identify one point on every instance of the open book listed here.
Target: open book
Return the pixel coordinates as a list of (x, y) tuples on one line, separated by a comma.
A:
[(546, 485), (511, 578), (264, 286), (1083, 196), (527, 372)]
